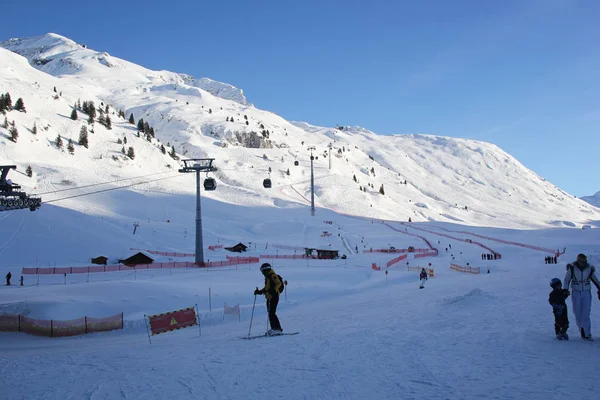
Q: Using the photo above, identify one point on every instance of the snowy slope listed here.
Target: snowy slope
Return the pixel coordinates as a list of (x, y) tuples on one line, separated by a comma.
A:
[(447, 179)]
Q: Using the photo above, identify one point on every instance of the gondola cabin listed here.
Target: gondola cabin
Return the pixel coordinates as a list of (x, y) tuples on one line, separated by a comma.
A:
[(210, 184), (296, 163), (267, 183)]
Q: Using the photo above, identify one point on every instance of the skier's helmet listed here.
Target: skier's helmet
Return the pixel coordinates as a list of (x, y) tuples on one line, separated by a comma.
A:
[(581, 258), (265, 267), (555, 282)]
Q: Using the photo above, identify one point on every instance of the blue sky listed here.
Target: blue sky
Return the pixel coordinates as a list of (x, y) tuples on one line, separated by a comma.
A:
[(521, 74)]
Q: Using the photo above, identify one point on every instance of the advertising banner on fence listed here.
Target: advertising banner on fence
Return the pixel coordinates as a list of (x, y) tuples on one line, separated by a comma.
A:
[(173, 320)]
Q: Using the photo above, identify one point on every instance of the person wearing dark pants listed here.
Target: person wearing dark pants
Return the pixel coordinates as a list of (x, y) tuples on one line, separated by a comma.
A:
[(273, 287), (559, 309), (8, 276), (272, 308)]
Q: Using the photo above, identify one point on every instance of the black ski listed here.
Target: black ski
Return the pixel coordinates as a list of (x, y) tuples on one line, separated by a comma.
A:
[(265, 335)]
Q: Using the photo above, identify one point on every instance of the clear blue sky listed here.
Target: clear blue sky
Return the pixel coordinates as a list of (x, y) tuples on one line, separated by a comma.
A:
[(522, 74)]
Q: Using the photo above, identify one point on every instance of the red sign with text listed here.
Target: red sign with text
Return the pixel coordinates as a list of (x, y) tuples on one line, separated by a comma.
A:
[(173, 320)]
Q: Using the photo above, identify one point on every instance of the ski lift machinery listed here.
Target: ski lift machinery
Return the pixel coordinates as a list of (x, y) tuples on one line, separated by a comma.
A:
[(10, 196)]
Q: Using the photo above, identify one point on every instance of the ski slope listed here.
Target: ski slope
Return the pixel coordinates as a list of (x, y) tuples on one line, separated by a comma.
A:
[(463, 336)]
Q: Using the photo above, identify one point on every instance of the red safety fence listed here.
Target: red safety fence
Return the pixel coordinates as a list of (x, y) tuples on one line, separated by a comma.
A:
[(460, 268), (115, 268), (396, 260), (214, 247), (396, 251), (243, 260), (285, 256), (165, 253), (427, 254), (527, 246), (375, 267), (59, 328), (454, 238), (411, 234)]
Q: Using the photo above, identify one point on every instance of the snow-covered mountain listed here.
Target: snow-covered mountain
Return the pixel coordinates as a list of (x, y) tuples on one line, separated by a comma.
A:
[(423, 177), (593, 199)]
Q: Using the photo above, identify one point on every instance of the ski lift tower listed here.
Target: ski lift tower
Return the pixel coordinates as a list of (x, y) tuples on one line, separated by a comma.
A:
[(312, 182), (198, 165)]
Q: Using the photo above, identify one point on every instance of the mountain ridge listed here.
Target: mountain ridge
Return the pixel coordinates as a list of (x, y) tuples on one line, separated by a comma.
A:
[(424, 177)]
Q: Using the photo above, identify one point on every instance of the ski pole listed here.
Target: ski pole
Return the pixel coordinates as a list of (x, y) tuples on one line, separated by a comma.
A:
[(252, 317)]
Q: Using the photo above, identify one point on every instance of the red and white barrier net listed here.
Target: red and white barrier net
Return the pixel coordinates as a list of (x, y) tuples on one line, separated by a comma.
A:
[(59, 328)]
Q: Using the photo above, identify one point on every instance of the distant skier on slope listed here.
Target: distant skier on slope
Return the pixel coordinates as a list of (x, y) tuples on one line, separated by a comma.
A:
[(8, 276), (557, 298), (579, 277), (271, 290), (423, 278)]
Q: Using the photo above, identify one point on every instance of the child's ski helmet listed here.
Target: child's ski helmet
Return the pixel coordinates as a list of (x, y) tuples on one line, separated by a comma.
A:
[(555, 281)]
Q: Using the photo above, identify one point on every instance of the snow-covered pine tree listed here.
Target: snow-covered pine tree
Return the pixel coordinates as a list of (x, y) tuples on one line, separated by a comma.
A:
[(74, 115), (83, 137), (19, 105), (70, 147)]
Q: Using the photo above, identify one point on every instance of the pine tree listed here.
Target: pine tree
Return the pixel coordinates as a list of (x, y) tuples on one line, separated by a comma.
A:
[(74, 115), (354, 177), (14, 133), (90, 120), (227, 119), (29, 171), (269, 169), (58, 142), (130, 153), (2, 104), (162, 149), (245, 117), (381, 189), (123, 149), (140, 125), (19, 105), (54, 89), (288, 172), (78, 104), (172, 153), (7, 101), (85, 107), (131, 119), (5, 124), (91, 109), (34, 129), (119, 141), (151, 132), (107, 123), (106, 110), (146, 128), (247, 123), (210, 110), (124, 140), (70, 147), (83, 137), (101, 120)]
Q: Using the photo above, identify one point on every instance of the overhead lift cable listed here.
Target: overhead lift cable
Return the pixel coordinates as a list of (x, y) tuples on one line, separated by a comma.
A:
[(102, 183), (109, 189)]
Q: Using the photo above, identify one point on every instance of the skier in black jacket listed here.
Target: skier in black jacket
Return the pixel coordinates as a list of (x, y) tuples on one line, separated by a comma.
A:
[(557, 298)]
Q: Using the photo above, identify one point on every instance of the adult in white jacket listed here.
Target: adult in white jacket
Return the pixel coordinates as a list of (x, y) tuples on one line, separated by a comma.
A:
[(580, 276)]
